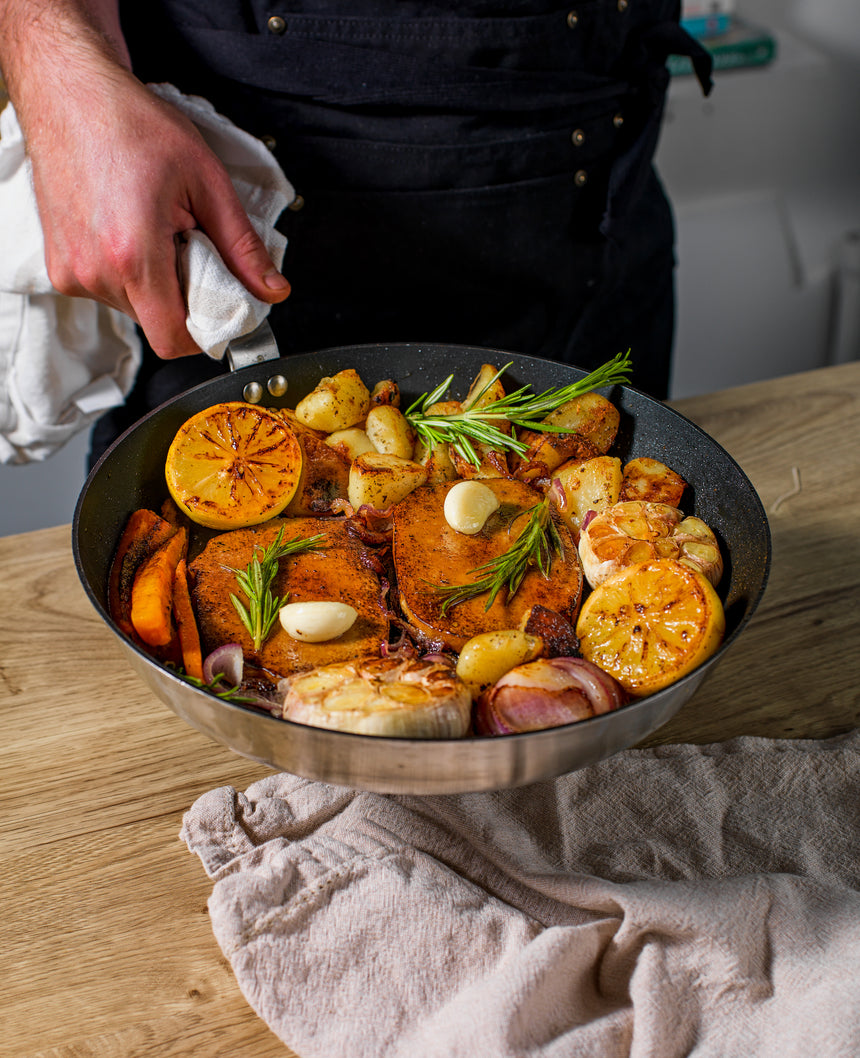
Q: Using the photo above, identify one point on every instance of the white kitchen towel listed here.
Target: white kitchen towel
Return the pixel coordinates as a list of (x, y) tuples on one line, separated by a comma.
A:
[(219, 307), (678, 901), (64, 361)]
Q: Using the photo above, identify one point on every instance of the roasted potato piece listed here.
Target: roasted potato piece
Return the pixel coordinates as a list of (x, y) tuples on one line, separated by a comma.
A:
[(493, 463), (324, 477), (548, 451), (385, 392), (351, 443), (380, 480), (495, 392), (652, 481), (580, 487), (336, 403), (437, 463), (436, 459), (555, 632), (389, 431), (591, 416)]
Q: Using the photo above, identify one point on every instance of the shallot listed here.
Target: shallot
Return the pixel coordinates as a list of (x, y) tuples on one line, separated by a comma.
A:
[(548, 692), (226, 661)]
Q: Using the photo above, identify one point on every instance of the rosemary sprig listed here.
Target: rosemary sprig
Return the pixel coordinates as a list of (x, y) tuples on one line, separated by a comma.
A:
[(256, 583), (535, 546), (228, 693), (476, 424)]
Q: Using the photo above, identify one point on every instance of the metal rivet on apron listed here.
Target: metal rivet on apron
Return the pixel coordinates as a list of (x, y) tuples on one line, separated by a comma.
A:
[(270, 142), (580, 177), (297, 204), (623, 5), (277, 385), (253, 393), (572, 19), (618, 120), (577, 137), (276, 24)]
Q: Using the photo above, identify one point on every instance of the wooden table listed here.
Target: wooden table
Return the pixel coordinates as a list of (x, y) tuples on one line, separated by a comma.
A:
[(105, 940)]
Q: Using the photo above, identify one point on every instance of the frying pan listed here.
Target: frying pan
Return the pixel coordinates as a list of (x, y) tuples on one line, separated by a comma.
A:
[(131, 475)]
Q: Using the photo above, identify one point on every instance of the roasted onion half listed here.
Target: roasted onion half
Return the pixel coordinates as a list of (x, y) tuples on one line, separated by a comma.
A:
[(548, 692)]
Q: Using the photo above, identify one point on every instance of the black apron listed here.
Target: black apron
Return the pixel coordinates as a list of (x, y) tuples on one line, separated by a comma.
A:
[(477, 174)]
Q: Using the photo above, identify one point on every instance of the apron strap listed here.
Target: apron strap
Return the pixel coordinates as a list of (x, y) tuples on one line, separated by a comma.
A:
[(630, 170)]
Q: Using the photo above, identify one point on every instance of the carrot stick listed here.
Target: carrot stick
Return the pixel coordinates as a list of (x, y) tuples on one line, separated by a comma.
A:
[(152, 592), (186, 624), (143, 533)]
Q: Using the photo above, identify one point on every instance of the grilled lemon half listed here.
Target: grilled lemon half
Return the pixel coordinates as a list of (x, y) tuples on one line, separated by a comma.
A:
[(650, 624), (233, 465)]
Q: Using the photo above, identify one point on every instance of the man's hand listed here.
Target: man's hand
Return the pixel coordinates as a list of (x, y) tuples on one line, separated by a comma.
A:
[(118, 173)]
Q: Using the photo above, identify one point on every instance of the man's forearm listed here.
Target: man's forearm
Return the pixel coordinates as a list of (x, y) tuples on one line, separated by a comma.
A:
[(42, 39)]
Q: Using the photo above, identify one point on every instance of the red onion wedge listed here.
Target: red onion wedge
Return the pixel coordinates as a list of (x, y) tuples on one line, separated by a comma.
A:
[(226, 661), (548, 692)]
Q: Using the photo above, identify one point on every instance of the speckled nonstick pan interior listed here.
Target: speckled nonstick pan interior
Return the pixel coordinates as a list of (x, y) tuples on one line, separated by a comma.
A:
[(131, 475)]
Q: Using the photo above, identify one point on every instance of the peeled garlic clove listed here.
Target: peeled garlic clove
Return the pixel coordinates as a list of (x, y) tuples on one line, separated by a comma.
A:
[(468, 505), (316, 622)]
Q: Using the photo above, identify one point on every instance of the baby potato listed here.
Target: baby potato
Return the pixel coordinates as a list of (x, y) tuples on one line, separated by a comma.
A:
[(650, 480), (590, 485), (351, 443), (493, 463), (548, 451), (436, 460), (336, 403), (495, 392), (381, 480), (385, 392), (388, 430), (487, 656), (591, 416)]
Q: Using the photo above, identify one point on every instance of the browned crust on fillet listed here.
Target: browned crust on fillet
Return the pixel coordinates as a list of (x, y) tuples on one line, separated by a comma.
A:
[(340, 570), (428, 552)]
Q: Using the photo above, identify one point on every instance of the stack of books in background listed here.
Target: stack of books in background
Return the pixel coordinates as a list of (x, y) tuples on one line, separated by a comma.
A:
[(732, 41)]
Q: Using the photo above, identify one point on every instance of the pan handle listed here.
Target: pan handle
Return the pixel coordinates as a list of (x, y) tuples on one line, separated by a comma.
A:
[(253, 348)]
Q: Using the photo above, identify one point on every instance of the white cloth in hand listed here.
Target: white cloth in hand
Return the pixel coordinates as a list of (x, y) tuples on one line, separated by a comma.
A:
[(219, 307)]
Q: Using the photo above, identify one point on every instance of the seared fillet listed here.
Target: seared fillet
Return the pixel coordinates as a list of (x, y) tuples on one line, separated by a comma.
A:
[(428, 552), (340, 570)]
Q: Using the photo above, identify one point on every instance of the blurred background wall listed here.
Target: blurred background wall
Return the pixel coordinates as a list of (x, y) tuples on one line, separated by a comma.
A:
[(764, 177)]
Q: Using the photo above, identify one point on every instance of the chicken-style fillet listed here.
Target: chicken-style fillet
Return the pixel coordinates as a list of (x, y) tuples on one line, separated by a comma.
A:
[(341, 570), (428, 552)]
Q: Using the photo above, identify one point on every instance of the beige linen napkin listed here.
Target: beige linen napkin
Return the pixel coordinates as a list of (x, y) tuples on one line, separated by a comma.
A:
[(677, 901)]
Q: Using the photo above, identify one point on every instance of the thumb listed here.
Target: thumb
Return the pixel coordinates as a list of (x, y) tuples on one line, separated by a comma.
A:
[(225, 222)]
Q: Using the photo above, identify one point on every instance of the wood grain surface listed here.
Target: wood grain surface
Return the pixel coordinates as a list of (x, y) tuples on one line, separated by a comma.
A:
[(106, 945)]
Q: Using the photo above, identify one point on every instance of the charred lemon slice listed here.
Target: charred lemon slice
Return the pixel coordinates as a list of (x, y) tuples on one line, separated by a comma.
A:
[(650, 624), (233, 465)]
